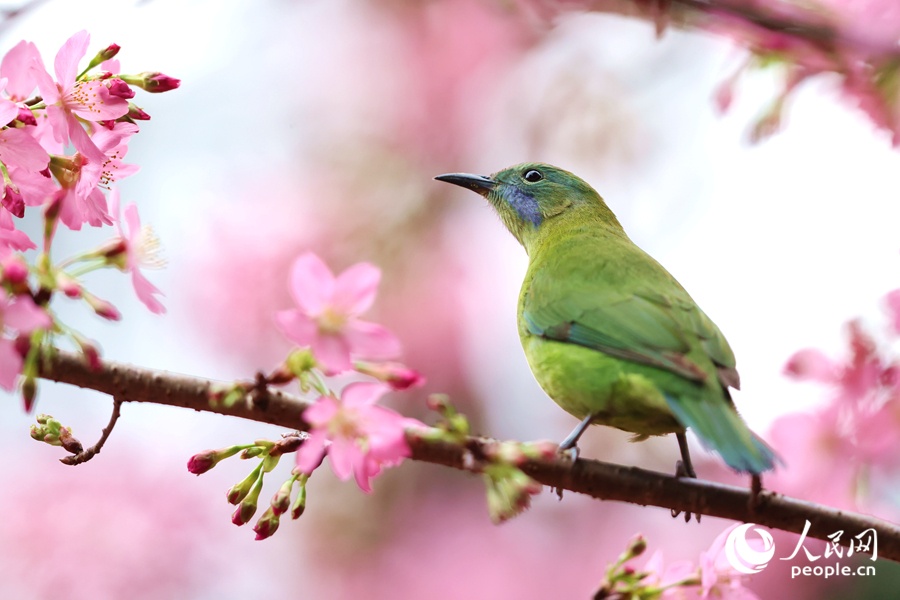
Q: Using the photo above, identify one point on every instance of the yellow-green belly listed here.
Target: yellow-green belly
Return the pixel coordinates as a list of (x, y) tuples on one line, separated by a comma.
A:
[(617, 392)]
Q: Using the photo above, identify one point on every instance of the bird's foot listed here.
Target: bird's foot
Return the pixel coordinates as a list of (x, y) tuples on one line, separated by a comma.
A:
[(755, 493), (684, 468), (568, 449), (571, 452), (682, 471)]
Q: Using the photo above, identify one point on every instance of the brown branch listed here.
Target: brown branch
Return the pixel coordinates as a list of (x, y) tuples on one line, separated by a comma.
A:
[(86, 455), (596, 479), (815, 27)]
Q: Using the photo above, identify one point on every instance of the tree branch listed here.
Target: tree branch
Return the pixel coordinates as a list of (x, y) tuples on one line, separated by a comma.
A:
[(597, 479), (807, 24)]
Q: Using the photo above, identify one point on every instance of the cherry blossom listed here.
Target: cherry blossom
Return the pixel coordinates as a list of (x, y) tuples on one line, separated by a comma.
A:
[(24, 316), (326, 315), (137, 247), (359, 436)]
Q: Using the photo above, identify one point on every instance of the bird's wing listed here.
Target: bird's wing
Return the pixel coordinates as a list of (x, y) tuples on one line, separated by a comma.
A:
[(658, 329)]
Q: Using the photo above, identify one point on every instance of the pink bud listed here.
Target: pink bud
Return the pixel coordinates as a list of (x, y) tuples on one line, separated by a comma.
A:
[(25, 116), (243, 513), (119, 88), (202, 462), (13, 202), (400, 377), (13, 269), (29, 393), (156, 83), (102, 307), (67, 285), (137, 114), (267, 524), (109, 52)]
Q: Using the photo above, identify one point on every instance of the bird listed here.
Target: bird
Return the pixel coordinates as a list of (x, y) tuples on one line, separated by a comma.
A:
[(610, 335)]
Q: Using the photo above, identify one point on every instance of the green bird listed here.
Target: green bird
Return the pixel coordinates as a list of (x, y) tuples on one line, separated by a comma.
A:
[(609, 334)]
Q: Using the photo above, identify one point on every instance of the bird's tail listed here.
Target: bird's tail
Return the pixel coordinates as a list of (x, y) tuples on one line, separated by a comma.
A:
[(721, 429)]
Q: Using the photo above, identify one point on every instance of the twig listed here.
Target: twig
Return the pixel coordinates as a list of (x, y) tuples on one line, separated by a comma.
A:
[(88, 454), (597, 479)]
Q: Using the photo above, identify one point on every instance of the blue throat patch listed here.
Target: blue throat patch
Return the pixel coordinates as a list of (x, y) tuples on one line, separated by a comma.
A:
[(525, 206)]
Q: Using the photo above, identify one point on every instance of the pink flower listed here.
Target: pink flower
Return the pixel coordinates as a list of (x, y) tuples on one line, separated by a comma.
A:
[(831, 451), (718, 578), (855, 380), (67, 98), (16, 68), (359, 436), (10, 237), (18, 148), (23, 315), (138, 247), (325, 317), (671, 575)]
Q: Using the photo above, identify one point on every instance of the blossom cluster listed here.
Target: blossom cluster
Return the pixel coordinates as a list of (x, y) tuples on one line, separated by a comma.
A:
[(712, 576), (837, 451), (63, 140), (801, 39), (360, 437)]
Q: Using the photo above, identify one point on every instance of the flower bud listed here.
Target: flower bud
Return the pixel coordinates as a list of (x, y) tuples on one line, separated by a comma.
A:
[(136, 113), (202, 462), (69, 442), (13, 201), (396, 375), (25, 116), (13, 270), (281, 501), (120, 89), (153, 82), (267, 524), (29, 393), (102, 307), (241, 490), (300, 503), (243, 513)]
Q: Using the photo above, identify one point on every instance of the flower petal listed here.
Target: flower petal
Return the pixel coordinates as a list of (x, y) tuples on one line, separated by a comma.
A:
[(813, 364), (297, 327), (332, 352), (146, 292), (371, 341), (18, 148), (355, 288), (23, 315), (16, 66), (312, 284), (342, 454), (10, 365), (362, 393), (309, 456), (320, 413), (68, 57)]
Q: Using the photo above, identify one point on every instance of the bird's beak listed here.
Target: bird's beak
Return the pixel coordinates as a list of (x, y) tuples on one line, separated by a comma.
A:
[(476, 183)]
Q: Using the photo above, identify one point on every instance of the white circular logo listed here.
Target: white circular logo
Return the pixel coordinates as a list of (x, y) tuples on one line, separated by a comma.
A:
[(744, 558)]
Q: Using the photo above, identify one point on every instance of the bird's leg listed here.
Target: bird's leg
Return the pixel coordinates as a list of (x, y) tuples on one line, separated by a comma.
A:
[(755, 491), (684, 468), (569, 445)]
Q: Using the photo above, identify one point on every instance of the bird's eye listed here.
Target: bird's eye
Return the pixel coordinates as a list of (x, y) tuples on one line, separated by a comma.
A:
[(533, 176)]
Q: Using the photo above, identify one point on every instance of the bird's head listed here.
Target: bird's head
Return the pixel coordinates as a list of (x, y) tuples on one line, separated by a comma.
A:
[(530, 196)]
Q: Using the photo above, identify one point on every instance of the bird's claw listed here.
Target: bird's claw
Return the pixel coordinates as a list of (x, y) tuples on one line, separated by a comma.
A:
[(683, 470)]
